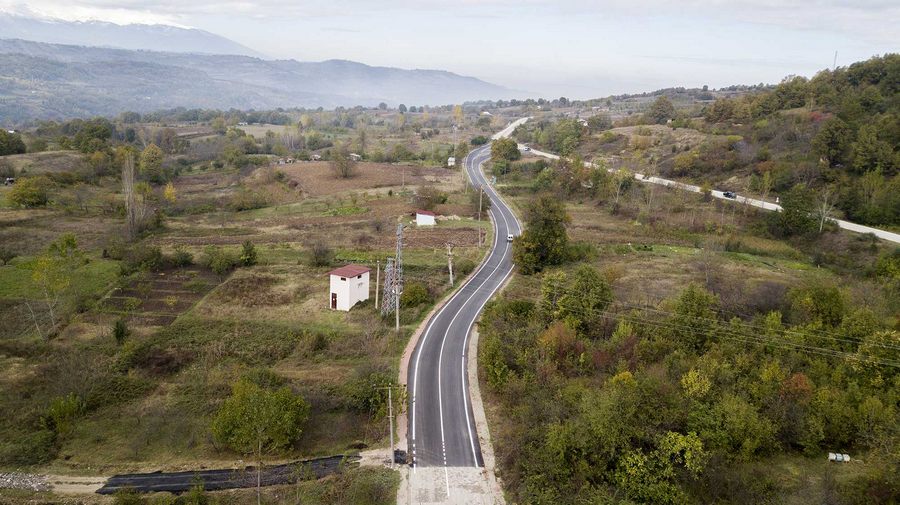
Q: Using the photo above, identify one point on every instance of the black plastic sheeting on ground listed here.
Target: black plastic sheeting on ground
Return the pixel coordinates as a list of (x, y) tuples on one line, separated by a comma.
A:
[(212, 480)]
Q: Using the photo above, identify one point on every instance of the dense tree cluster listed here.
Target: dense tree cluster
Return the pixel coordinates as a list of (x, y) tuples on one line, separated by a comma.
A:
[(844, 125), (604, 402), (561, 137)]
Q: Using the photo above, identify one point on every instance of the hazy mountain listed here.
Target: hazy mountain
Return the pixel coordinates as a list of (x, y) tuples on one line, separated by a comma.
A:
[(57, 81), (134, 36)]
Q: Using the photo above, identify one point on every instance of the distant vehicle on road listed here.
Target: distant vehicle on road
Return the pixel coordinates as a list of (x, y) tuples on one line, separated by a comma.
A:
[(729, 194), (526, 148), (509, 237)]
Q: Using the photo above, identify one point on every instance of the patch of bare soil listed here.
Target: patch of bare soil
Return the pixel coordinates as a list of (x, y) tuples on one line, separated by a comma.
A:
[(159, 297), (317, 178)]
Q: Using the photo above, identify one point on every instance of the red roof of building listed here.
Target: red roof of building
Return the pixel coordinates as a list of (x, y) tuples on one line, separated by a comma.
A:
[(350, 270), (426, 212)]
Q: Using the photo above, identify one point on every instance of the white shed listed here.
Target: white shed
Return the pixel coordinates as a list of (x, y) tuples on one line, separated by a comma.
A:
[(424, 218), (349, 285)]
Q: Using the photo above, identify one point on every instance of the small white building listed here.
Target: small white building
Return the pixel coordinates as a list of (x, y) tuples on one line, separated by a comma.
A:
[(355, 157), (424, 218), (349, 285), (451, 161)]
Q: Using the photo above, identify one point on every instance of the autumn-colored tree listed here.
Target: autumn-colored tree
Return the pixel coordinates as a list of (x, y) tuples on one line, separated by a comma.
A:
[(151, 163)]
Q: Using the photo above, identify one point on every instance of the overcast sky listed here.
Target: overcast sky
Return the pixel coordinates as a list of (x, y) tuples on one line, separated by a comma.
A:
[(574, 48)]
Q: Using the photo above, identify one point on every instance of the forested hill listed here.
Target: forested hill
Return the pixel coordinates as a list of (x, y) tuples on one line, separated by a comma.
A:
[(52, 81), (128, 36), (838, 130)]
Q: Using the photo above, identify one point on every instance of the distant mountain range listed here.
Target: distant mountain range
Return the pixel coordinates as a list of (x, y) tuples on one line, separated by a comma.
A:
[(55, 81), (134, 36)]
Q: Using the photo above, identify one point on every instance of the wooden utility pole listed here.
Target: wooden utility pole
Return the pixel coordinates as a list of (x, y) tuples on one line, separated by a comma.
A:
[(391, 417), (377, 279), (391, 421), (450, 261)]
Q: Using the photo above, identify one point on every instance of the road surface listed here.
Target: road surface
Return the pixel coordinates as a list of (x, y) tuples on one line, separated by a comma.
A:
[(442, 431), (762, 204)]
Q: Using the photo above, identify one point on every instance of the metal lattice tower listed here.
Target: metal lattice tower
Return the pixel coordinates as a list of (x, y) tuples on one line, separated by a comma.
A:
[(387, 296), (393, 277)]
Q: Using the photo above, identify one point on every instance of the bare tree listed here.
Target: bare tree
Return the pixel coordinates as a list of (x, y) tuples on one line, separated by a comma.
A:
[(826, 203), (136, 209), (621, 181), (341, 163)]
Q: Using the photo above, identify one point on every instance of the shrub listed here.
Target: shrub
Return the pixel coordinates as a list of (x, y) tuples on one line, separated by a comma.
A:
[(33, 449), (128, 496), (248, 254), (264, 378), (414, 293), (182, 258), (62, 413), (320, 255), (219, 261), (120, 331), (365, 393), (30, 192), (429, 196), (6, 255), (463, 267), (143, 258), (479, 140)]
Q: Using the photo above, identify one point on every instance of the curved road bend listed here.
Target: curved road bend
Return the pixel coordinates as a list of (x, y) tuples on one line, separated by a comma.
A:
[(442, 430)]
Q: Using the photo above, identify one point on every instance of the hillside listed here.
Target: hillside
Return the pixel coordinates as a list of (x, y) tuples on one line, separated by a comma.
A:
[(51, 81), (131, 36), (836, 134)]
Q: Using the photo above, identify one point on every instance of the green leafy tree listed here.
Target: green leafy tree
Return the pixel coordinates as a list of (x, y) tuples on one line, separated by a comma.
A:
[(254, 420), (832, 141), (796, 216), (151, 163), (694, 318), (52, 273), (11, 143), (460, 153), (661, 110), (31, 192), (600, 122), (505, 149), (820, 302), (586, 297), (544, 241), (871, 154)]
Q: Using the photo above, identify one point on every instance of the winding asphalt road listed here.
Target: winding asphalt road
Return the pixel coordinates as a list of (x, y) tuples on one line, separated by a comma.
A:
[(442, 431)]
